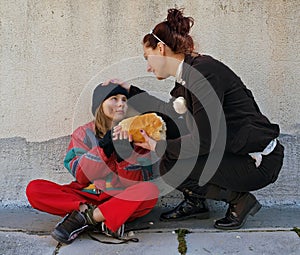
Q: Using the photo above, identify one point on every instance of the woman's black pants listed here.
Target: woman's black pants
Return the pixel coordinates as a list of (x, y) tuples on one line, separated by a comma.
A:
[(235, 173)]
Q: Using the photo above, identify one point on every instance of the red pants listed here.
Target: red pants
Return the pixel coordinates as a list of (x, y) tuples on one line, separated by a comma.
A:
[(117, 206)]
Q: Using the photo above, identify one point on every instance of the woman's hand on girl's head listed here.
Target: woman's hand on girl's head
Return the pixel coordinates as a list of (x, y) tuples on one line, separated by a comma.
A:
[(149, 143), (123, 84)]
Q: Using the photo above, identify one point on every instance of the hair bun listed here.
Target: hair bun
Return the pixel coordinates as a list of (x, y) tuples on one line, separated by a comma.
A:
[(178, 23)]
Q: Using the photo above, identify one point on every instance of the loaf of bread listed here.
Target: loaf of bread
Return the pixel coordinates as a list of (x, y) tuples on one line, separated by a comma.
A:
[(151, 123)]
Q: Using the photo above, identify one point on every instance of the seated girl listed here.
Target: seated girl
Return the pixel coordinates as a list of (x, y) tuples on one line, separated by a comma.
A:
[(108, 190)]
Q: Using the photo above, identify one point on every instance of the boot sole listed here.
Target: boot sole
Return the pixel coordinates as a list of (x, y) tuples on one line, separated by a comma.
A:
[(252, 212), (255, 208), (59, 239), (202, 216), (57, 236)]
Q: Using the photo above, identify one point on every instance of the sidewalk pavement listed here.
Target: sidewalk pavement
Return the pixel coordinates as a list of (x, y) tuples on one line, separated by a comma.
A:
[(27, 231)]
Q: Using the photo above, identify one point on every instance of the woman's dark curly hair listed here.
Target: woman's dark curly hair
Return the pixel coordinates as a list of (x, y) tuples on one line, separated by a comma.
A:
[(174, 32)]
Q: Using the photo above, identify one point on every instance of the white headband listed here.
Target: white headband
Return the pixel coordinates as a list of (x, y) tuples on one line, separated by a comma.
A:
[(151, 33)]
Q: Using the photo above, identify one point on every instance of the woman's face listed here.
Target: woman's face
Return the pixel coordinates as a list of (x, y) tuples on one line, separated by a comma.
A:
[(115, 107), (156, 62)]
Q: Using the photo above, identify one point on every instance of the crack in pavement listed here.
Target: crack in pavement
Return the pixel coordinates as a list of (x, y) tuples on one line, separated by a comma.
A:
[(56, 251)]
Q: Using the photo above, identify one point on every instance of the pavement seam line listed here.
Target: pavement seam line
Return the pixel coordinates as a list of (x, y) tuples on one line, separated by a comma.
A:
[(29, 232)]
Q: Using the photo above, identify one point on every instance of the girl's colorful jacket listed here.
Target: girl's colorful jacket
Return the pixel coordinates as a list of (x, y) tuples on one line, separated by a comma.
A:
[(87, 162)]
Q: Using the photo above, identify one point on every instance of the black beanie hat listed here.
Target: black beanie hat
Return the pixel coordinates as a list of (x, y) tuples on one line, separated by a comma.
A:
[(101, 93)]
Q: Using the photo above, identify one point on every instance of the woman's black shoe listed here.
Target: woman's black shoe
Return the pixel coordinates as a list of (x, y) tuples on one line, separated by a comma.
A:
[(237, 213), (187, 209)]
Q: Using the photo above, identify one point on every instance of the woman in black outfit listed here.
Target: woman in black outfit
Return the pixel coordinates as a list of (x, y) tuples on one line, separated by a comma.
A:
[(227, 147)]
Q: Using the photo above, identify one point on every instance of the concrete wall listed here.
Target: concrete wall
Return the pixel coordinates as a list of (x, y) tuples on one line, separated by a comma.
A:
[(52, 54)]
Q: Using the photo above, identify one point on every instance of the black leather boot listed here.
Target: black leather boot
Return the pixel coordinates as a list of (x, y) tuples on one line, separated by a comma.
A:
[(192, 206), (238, 211)]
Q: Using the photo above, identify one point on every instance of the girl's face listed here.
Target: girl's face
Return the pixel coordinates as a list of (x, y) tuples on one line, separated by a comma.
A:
[(115, 107), (156, 62)]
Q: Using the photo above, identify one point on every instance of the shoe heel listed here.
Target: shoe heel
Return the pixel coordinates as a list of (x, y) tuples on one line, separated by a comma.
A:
[(255, 208)]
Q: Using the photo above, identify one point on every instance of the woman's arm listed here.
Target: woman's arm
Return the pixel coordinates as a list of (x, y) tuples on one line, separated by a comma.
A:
[(144, 102)]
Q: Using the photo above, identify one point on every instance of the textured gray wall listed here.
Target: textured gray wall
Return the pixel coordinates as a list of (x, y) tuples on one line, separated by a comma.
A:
[(50, 50), (53, 52)]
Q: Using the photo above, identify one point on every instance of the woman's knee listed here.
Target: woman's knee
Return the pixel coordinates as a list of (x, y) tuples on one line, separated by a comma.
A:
[(272, 164)]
